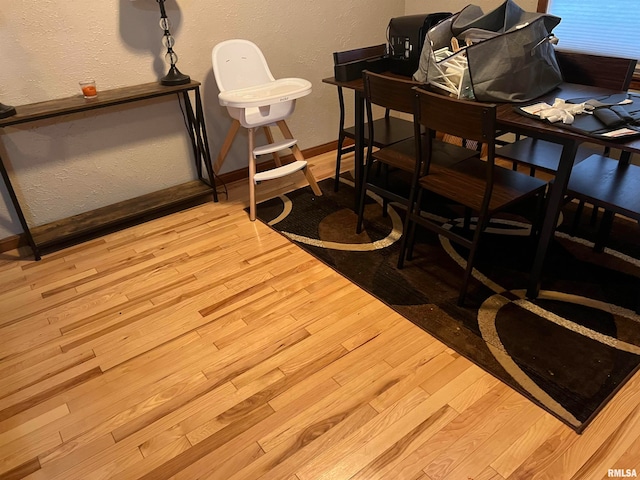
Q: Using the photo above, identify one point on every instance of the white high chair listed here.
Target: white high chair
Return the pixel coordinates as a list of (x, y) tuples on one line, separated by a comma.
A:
[(254, 99)]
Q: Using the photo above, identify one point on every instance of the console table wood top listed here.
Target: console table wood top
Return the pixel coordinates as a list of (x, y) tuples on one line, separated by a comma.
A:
[(77, 103)]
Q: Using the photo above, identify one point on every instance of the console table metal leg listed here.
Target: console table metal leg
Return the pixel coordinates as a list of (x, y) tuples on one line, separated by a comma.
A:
[(18, 209), (191, 130), (198, 135), (205, 140)]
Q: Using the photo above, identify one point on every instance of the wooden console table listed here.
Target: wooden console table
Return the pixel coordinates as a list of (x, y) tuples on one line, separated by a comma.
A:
[(79, 227)]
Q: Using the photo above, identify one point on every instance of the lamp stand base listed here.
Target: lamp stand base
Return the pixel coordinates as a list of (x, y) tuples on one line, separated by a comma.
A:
[(175, 77), (6, 110)]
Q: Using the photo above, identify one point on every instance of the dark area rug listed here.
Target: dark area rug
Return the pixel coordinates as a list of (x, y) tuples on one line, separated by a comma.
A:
[(569, 351)]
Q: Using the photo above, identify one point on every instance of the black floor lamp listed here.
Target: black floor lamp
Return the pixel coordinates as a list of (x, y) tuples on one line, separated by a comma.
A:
[(6, 110)]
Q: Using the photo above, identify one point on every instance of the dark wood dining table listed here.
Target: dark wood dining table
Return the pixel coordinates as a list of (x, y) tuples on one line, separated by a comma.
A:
[(509, 120)]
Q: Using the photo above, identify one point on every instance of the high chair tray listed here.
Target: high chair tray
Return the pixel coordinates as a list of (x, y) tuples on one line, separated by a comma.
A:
[(281, 90)]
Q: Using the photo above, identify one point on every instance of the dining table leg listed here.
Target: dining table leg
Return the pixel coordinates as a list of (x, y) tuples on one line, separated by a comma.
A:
[(359, 146), (555, 201)]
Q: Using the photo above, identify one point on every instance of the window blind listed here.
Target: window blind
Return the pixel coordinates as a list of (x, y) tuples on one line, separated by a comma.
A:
[(602, 28)]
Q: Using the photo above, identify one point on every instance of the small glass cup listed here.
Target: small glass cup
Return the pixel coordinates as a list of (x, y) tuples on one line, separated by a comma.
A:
[(89, 88)]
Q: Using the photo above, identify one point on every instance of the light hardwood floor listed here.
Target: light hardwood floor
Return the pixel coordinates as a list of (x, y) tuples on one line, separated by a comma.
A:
[(201, 345)]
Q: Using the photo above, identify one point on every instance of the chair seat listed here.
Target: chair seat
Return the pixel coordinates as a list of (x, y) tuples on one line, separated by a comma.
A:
[(540, 154), (388, 130), (278, 172), (465, 183), (607, 183), (402, 155)]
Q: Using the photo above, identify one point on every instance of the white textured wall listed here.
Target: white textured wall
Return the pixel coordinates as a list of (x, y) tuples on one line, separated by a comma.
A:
[(75, 163)]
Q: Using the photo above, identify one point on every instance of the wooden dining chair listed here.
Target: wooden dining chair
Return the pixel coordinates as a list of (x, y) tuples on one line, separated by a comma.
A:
[(480, 186), (389, 129), (395, 94), (611, 184)]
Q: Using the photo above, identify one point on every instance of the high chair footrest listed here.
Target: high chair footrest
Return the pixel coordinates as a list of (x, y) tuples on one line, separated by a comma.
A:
[(274, 147), (278, 172)]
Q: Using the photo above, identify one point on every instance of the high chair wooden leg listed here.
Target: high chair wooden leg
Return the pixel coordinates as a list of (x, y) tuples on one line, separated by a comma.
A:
[(269, 135), (228, 141), (252, 173), (297, 154)]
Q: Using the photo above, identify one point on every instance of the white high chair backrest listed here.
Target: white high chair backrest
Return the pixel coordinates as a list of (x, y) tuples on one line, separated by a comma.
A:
[(239, 64)]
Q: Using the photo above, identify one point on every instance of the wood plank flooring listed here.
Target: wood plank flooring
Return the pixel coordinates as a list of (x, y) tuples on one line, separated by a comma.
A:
[(202, 345)]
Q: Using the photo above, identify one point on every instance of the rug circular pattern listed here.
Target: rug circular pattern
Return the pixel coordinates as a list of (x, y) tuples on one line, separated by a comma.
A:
[(569, 350)]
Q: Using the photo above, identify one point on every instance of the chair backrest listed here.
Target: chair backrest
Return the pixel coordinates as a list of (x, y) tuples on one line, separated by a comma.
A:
[(613, 73), (461, 118), (347, 56), (239, 64), (356, 54), (389, 92)]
